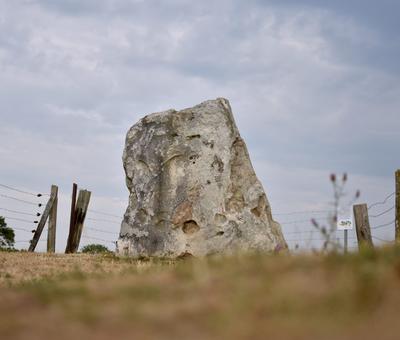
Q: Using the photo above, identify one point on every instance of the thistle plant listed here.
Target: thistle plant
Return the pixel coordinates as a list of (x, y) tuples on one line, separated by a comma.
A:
[(328, 230)]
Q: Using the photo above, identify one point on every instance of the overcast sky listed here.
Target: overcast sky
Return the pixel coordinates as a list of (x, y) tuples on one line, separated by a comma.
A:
[(314, 86)]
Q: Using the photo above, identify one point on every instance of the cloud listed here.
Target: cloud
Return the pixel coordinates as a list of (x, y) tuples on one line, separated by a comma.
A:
[(314, 86)]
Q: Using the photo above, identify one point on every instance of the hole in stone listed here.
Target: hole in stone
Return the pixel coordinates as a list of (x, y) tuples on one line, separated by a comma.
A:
[(261, 206), (190, 227), (220, 233), (256, 211), (217, 164), (210, 144), (208, 181), (193, 136)]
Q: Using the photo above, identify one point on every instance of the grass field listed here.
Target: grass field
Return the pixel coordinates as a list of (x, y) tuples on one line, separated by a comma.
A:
[(241, 297)]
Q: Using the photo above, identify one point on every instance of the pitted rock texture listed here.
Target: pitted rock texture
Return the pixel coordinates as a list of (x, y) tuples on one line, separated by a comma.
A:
[(193, 190)]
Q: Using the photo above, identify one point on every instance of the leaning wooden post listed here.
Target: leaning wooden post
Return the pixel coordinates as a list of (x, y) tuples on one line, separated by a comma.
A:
[(51, 232), (80, 215), (363, 229), (72, 218), (42, 223), (397, 225), (397, 222)]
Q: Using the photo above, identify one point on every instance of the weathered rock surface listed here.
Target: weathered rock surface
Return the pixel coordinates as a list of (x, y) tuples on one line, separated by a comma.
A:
[(192, 187)]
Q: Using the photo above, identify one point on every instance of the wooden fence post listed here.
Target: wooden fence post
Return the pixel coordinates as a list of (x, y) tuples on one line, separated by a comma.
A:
[(362, 225), (42, 223), (72, 218), (80, 215), (397, 223), (51, 232)]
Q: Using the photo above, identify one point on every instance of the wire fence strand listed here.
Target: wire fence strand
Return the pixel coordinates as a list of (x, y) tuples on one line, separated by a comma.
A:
[(384, 225), (381, 203), (97, 239), (101, 220), (302, 212), (381, 239), (22, 229), (302, 221), (20, 191), (22, 201), (20, 212), (103, 213), (382, 213), (19, 219), (102, 231)]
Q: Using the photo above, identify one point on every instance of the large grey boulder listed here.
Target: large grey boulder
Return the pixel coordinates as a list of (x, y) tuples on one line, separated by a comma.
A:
[(192, 187)]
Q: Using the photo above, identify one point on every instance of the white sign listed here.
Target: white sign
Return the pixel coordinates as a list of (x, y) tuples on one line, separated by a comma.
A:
[(344, 219), (345, 224)]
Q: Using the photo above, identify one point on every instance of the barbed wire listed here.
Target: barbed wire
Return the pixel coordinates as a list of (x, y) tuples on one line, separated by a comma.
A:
[(101, 220), (302, 221), (28, 241), (382, 213), (380, 203), (384, 225), (305, 240), (302, 212), (314, 239), (21, 191), (22, 201), (301, 231), (101, 230), (20, 212), (19, 219), (98, 239), (103, 213), (381, 239), (306, 231), (22, 229)]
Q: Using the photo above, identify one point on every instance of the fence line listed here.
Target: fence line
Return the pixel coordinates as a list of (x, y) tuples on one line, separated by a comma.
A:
[(101, 220), (103, 213), (383, 213), (28, 241), (101, 230), (314, 239), (19, 219), (382, 240), (301, 233), (302, 212), (22, 201), (20, 212), (384, 225), (98, 239), (381, 203), (21, 191), (301, 221), (37, 214)]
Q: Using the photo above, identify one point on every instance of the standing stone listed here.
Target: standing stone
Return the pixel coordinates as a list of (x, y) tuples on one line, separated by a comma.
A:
[(192, 187)]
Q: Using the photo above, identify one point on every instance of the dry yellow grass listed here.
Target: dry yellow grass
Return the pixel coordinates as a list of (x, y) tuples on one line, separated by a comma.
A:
[(240, 297), (24, 267)]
